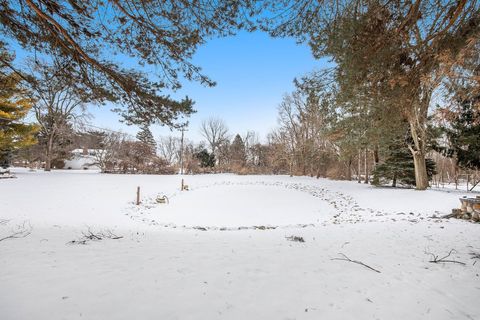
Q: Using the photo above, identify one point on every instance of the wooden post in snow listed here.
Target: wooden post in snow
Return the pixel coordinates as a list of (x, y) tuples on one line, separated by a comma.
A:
[(138, 196), (181, 188)]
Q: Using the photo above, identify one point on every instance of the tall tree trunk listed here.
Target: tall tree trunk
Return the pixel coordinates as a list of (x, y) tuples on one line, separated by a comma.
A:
[(290, 165), (376, 157), (456, 176), (376, 160), (349, 169), (48, 164), (366, 166), (418, 129), (48, 154), (359, 176), (304, 161), (421, 176)]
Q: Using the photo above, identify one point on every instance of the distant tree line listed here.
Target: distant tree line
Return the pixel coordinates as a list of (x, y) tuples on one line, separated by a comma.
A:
[(403, 90)]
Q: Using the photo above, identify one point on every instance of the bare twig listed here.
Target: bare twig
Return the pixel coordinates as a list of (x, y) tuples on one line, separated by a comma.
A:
[(436, 259), (22, 231), (343, 245), (89, 235), (110, 235), (475, 256), (345, 258), (295, 238), (448, 216)]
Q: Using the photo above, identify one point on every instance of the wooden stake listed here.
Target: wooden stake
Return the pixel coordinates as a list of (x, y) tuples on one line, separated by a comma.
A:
[(138, 196), (182, 186)]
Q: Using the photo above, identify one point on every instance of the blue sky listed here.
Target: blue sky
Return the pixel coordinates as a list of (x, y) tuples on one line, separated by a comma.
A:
[(252, 70)]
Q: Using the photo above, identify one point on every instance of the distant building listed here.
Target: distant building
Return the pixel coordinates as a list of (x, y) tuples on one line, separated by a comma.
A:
[(82, 159)]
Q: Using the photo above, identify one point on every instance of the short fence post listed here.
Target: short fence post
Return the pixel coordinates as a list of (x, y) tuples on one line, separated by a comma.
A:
[(138, 196)]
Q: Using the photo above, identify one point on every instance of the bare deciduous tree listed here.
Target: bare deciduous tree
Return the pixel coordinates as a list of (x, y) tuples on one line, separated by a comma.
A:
[(251, 140), (215, 131), (58, 106), (20, 231), (169, 149), (108, 155)]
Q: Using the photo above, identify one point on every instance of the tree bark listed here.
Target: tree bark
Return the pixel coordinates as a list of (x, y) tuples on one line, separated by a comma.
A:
[(417, 120), (48, 155), (291, 166), (349, 169), (366, 166), (359, 176), (48, 164), (421, 177), (376, 157)]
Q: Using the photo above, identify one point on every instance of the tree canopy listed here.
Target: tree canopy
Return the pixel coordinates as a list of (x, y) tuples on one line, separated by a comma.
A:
[(14, 133), (155, 39), (389, 54)]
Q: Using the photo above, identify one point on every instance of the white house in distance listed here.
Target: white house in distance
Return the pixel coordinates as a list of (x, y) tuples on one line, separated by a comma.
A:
[(82, 159)]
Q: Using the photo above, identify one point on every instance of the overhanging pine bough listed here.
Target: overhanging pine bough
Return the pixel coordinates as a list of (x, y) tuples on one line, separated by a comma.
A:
[(160, 34)]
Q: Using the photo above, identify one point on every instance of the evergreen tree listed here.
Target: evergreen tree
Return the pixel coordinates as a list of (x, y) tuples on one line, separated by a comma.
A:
[(14, 134), (237, 151), (464, 134), (398, 166), (146, 137), (401, 51), (207, 160)]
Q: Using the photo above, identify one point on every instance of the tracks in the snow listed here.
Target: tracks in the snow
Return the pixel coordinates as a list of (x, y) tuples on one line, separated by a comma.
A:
[(347, 209)]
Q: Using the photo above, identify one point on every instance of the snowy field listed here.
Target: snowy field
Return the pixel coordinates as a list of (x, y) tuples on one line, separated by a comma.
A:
[(222, 250)]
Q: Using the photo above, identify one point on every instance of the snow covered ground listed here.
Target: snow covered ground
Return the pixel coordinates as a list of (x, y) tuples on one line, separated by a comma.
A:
[(221, 250)]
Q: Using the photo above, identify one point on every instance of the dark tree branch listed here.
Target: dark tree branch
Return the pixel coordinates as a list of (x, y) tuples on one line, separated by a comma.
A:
[(436, 259), (90, 235), (345, 258), (22, 231)]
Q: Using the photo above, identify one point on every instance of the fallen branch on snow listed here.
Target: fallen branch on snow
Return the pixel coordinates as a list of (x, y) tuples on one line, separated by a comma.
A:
[(475, 255), (436, 259), (22, 231), (295, 238), (345, 258), (6, 174), (450, 215), (89, 235)]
